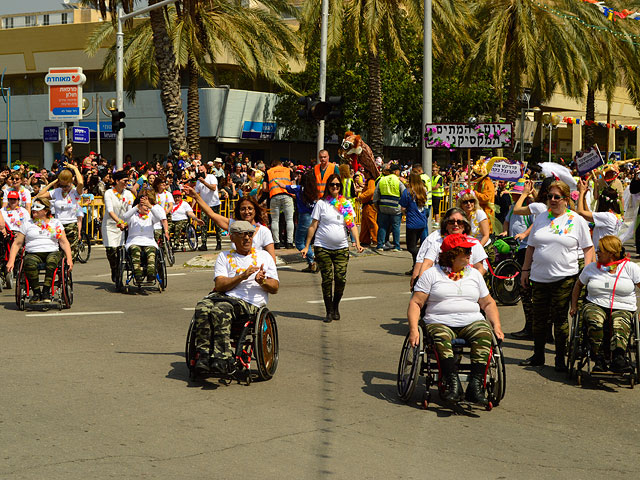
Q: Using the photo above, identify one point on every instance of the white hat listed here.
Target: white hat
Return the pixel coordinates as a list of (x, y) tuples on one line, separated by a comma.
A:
[(218, 160), (209, 163)]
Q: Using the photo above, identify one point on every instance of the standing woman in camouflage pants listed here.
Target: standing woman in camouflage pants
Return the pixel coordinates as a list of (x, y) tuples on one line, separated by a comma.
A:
[(64, 200), (330, 218)]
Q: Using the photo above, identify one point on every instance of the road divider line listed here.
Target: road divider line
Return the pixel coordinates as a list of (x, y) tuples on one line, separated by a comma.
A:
[(189, 308), (68, 314), (343, 300), (175, 274)]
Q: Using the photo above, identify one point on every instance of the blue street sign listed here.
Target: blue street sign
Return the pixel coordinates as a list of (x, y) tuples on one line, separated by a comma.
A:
[(80, 134), (51, 134), (104, 126), (258, 130)]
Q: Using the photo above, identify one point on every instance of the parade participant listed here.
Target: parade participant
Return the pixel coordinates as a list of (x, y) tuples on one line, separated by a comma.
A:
[(140, 221), (437, 192), (551, 265), (454, 293), (330, 216), (485, 190), (611, 297), (414, 205), (478, 219), (164, 200), (65, 200), (180, 215), (43, 238), (14, 182), (245, 274), (369, 213), (13, 214), (207, 189), (539, 205), (387, 197), (606, 219), (117, 201), (278, 178), (246, 209), (306, 197), (417, 168), (322, 170)]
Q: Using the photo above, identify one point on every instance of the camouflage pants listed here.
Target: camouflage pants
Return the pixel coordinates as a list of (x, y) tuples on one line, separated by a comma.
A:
[(332, 263), (176, 228), (71, 231), (205, 227), (31, 261), (595, 317), (551, 305), (525, 295), (113, 256), (213, 319), (478, 334), (135, 251)]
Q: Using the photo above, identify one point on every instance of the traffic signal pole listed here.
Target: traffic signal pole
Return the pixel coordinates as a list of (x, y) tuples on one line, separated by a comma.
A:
[(323, 68)]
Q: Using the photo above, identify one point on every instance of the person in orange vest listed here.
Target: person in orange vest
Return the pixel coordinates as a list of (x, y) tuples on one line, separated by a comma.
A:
[(278, 178), (323, 169)]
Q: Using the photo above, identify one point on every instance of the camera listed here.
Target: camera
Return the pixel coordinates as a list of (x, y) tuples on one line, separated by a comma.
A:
[(201, 175)]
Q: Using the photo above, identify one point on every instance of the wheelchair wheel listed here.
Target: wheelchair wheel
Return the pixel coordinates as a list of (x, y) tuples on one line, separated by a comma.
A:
[(121, 276), (634, 351), (67, 286), (192, 237), (409, 367), (161, 270), (190, 347), (169, 257), (266, 344), (497, 374), (22, 291), (574, 345), (506, 290), (84, 248)]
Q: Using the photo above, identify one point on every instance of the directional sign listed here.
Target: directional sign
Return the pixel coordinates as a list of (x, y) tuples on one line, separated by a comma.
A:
[(65, 93), (80, 134), (51, 134)]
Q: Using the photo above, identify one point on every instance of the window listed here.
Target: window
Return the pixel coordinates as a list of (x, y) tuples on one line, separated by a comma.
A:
[(30, 21), (65, 18), (8, 22), (45, 19)]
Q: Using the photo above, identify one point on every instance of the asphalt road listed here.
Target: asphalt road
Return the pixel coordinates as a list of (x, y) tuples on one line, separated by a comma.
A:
[(107, 395)]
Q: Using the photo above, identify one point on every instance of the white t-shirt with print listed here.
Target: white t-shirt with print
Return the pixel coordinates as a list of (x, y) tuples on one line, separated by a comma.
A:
[(450, 303), (162, 200), (476, 217), (15, 218), (66, 208), (248, 290), (42, 236), (600, 286), (261, 238), (478, 254), (331, 233), (180, 211), (141, 229), (209, 196), (557, 242), (606, 223)]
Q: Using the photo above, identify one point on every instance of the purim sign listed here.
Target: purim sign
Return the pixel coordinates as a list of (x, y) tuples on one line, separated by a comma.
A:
[(501, 168), (65, 93)]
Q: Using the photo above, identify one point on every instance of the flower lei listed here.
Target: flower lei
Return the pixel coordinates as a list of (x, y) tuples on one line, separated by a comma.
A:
[(120, 196), (344, 207), (455, 276), (234, 265), (143, 217), (18, 221), (557, 229), (46, 226), (611, 266)]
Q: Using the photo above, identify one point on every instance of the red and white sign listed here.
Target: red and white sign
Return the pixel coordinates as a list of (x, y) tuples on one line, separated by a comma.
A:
[(65, 93)]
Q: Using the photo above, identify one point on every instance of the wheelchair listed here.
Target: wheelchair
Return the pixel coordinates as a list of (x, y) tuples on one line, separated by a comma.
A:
[(505, 271), (422, 360), (166, 249), (253, 337), (6, 278), (61, 286), (188, 238), (125, 280), (579, 352)]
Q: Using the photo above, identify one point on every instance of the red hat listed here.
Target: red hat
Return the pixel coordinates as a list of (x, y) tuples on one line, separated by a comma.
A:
[(13, 194), (92, 153), (176, 192), (455, 240)]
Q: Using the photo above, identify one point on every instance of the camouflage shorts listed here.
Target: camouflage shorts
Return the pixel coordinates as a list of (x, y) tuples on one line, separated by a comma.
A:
[(477, 334), (135, 251), (617, 326)]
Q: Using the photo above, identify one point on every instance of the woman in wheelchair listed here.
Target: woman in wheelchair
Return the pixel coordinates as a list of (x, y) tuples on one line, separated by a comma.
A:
[(611, 299), (140, 220), (454, 293), (43, 237)]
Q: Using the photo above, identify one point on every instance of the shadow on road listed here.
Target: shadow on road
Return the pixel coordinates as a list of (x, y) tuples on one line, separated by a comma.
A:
[(300, 315), (385, 272), (399, 328)]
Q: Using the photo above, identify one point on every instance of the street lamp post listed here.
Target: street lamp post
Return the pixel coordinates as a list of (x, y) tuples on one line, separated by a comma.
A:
[(551, 122), (97, 103)]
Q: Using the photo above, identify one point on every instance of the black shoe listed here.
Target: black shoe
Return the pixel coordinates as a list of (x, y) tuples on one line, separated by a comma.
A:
[(561, 364), (46, 295), (203, 247), (151, 277), (114, 276), (290, 246), (36, 296), (533, 361), (226, 366), (452, 388), (523, 334), (277, 246), (336, 305), (619, 363), (138, 279), (202, 363), (475, 390), (328, 307), (600, 364), (218, 246)]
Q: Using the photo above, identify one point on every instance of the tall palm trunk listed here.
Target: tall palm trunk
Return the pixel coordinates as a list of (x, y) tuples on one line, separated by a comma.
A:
[(169, 80), (376, 125), (590, 130), (193, 110)]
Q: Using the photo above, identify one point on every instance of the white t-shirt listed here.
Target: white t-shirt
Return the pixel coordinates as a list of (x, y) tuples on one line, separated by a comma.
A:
[(43, 236), (478, 254), (606, 223), (477, 217), (66, 208), (600, 286), (450, 303), (160, 214), (262, 237), (141, 229), (248, 290), (15, 218), (557, 242), (331, 233), (179, 211), (210, 197), (23, 193), (162, 200), (424, 247), (537, 208)]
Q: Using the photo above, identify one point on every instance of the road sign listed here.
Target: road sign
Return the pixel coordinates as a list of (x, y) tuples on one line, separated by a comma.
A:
[(51, 134), (65, 93), (80, 134), (258, 130)]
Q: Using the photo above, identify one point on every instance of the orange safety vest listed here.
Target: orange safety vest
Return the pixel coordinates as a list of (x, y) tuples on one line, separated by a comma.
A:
[(322, 180), (283, 175)]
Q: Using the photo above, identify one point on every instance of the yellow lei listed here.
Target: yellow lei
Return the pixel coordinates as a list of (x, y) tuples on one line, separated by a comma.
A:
[(234, 265)]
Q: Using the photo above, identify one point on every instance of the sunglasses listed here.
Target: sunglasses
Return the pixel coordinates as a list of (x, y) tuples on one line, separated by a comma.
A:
[(334, 185), (554, 197), (455, 222), (245, 234), (471, 200)]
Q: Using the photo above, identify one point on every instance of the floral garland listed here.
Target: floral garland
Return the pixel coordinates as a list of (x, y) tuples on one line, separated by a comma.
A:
[(345, 208), (234, 265), (455, 276), (143, 217), (17, 222), (566, 228), (611, 266), (47, 226), (120, 196)]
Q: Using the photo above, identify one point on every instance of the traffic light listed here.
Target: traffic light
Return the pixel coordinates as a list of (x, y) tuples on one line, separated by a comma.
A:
[(336, 107), (305, 110), (314, 109), (116, 121)]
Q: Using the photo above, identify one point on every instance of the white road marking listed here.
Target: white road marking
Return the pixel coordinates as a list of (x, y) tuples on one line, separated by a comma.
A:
[(343, 300), (189, 308), (67, 314), (175, 274)]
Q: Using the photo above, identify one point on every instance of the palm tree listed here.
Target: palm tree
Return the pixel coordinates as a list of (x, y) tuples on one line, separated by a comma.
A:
[(373, 26)]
